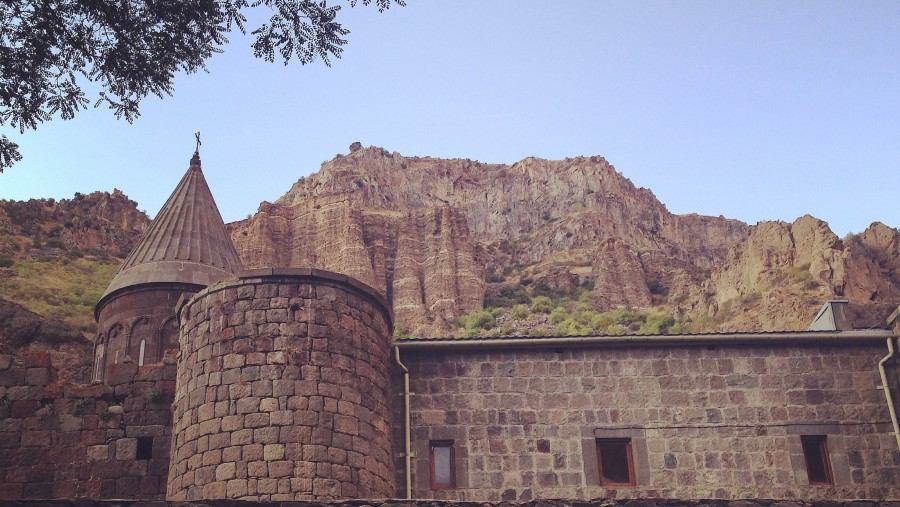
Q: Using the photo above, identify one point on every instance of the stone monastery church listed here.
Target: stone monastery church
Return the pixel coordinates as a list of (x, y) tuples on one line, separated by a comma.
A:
[(212, 382)]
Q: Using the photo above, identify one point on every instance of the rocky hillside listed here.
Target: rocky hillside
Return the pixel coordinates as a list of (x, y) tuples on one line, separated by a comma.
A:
[(465, 248), (445, 238), (57, 257)]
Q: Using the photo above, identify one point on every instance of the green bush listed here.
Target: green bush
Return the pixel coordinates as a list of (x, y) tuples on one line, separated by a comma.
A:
[(491, 276), (6, 262), (558, 315), (520, 312), (614, 330), (657, 323), (571, 327), (508, 297), (655, 286), (400, 331), (477, 322), (541, 304), (56, 243)]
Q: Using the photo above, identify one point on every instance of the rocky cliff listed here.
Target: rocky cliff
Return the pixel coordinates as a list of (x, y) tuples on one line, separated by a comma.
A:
[(445, 238), (57, 257), (437, 236)]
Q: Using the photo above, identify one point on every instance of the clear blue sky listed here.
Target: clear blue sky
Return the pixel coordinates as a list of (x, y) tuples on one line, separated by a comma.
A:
[(755, 110)]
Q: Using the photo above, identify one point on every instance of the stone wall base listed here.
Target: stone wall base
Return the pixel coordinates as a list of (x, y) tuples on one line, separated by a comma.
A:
[(607, 502)]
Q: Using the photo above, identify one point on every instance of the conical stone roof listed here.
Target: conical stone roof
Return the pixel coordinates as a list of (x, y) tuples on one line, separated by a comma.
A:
[(187, 241)]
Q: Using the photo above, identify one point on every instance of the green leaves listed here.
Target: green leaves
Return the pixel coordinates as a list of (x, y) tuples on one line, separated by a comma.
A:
[(133, 49)]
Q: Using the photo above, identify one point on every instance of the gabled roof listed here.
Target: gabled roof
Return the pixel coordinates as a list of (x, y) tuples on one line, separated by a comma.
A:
[(186, 243), (831, 317)]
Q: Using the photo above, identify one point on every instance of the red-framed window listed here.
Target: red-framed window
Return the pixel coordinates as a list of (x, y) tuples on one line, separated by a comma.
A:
[(442, 461), (818, 465), (615, 462)]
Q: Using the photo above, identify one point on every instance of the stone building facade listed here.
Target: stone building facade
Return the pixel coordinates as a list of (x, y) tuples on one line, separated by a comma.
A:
[(720, 419), (285, 384)]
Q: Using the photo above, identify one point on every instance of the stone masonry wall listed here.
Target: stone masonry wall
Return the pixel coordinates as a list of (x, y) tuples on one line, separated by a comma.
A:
[(136, 314), (74, 440), (283, 390), (704, 422), (606, 502), (438, 503)]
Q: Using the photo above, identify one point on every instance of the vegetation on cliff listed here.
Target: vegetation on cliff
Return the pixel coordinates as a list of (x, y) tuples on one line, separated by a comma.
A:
[(56, 258)]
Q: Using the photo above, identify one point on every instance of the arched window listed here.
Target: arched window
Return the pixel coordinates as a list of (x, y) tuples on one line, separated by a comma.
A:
[(169, 336), (142, 342), (142, 346), (116, 342), (98, 363)]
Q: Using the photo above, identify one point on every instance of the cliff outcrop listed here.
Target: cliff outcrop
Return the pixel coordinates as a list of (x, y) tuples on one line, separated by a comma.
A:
[(107, 222), (424, 230), (436, 235), (423, 260), (788, 268), (23, 332), (441, 238), (57, 257)]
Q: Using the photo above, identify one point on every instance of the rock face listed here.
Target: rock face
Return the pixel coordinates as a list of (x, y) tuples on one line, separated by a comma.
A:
[(23, 331), (792, 267), (106, 221), (422, 260), (423, 230), (427, 232)]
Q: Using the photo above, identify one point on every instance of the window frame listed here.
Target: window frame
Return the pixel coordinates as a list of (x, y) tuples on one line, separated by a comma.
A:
[(629, 458), (451, 465), (817, 444)]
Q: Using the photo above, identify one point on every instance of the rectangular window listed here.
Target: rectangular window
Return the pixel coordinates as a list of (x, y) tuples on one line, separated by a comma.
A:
[(443, 466), (615, 462), (144, 448), (818, 466)]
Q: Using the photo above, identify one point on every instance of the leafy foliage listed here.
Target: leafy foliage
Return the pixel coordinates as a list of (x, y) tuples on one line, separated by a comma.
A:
[(132, 49), (541, 310)]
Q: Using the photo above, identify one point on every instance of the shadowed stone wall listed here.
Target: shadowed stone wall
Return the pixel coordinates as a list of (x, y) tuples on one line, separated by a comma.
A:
[(653, 502), (283, 390), (704, 422), (73, 440)]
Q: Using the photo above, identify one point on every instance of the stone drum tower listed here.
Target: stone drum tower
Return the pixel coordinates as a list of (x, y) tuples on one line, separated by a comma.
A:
[(283, 390)]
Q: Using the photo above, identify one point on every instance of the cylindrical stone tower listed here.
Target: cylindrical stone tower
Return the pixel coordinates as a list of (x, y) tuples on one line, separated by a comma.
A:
[(283, 390)]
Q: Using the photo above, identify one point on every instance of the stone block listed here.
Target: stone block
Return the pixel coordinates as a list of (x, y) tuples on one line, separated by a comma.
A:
[(225, 471), (214, 490), (268, 405), (273, 452), (37, 376), (98, 452), (126, 449), (266, 435), (236, 488), (247, 405), (267, 486), (242, 437), (281, 418), (257, 420)]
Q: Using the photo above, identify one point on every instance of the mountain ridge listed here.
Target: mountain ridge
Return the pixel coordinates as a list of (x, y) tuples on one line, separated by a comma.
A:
[(564, 224), (462, 247)]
